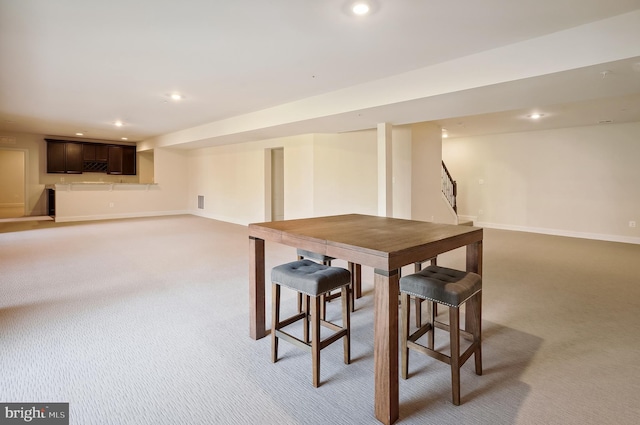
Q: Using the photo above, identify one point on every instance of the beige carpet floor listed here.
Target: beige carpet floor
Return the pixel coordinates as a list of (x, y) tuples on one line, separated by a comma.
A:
[(145, 321)]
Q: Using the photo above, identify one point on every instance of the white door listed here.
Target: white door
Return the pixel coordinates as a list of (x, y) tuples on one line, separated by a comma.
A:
[(12, 184)]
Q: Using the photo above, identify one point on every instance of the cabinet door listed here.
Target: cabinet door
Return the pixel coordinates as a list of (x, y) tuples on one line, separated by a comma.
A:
[(114, 162), (102, 153), (129, 160), (74, 158), (89, 152), (56, 157)]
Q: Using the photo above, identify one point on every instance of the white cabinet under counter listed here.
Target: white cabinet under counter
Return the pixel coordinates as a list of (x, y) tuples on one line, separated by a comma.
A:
[(82, 201)]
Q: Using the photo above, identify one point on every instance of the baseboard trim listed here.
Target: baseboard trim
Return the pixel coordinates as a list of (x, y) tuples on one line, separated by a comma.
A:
[(231, 220), (118, 216), (558, 232)]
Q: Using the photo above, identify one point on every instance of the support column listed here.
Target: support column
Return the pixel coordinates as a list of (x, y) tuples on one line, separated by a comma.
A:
[(385, 171)]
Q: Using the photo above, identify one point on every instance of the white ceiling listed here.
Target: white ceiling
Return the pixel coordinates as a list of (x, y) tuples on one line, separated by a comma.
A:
[(68, 66)]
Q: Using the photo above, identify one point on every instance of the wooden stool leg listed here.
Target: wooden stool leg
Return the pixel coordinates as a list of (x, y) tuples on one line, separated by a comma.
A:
[(358, 280), (275, 320), (305, 320), (323, 307), (474, 308), (356, 283), (418, 312), (434, 262), (300, 257), (346, 295), (315, 340), (431, 310), (352, 298), (454, 334), (404, 317)]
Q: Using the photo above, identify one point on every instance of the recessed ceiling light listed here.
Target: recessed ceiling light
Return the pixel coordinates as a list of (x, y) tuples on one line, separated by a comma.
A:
[(176, 96), (118, 123), (79, 134), (124, 138), (361, 8), (535, 116)]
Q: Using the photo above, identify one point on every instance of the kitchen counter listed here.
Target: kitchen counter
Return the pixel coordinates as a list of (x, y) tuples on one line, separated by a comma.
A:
[(106, 186)]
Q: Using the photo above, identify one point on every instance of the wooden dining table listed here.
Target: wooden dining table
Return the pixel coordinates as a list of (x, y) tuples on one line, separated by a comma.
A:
[(383, 243)]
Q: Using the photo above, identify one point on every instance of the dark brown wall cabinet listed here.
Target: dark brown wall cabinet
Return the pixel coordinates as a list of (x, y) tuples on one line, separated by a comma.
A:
[(77, 157), (95, 158), (95, 152), (64, 157), (122, 160)]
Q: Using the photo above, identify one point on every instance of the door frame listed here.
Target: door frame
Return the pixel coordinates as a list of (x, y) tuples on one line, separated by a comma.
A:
[(25, 173)]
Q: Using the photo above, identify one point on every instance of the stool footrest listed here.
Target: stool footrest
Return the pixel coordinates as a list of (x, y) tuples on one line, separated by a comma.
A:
[(445, 327), (440, 356), (330, 296), (306, 345), (333, 338), (293, 340), (423, 330), (292, 319)]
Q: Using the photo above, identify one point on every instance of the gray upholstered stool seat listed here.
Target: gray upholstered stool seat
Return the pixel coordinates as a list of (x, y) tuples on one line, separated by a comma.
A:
[(452, 288), (312, 280), (356, 279), (442, 285), (309, 277)]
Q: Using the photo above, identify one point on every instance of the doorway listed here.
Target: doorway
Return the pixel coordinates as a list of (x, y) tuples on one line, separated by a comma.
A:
[(12, 183)]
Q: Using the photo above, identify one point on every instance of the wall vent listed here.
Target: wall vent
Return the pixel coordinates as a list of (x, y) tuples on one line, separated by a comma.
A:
[(200, 202)]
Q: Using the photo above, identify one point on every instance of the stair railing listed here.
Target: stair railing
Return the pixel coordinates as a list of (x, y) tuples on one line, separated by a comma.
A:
[(449, 187)]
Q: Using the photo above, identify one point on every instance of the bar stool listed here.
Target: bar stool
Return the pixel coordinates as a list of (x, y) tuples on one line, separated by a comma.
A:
[(312, 280), (451, 288), (319, 258), (355, 286), (417, 266)]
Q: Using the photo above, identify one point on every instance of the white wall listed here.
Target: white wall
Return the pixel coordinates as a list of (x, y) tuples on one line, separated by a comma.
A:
[(325, 174), (345, 173), (232, 179), (426, 154), (582, 181)]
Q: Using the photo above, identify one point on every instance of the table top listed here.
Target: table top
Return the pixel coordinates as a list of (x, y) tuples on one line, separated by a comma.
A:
[(381, 242)]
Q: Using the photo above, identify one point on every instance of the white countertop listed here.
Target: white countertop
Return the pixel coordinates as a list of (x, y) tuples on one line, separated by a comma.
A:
[(100, 186)]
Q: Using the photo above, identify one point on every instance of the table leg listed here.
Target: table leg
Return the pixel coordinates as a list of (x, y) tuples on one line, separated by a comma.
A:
[(474, 264), (385, 358), (257, 328), (474, 258)]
